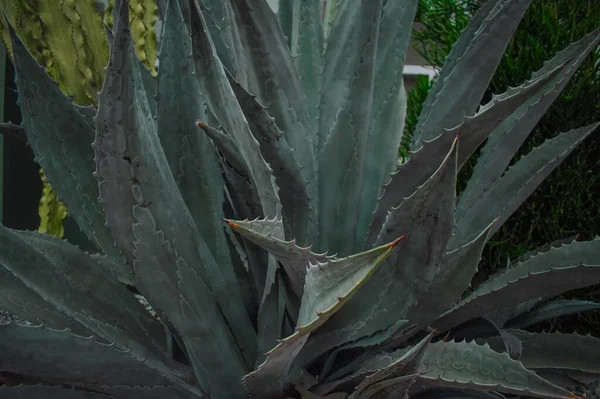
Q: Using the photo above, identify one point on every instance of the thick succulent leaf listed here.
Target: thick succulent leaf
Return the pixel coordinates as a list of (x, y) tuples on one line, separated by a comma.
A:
[(101, 317), (421, 165), (373, 343), (392, 387), (469, 68), (427, 218), (61, 138), (329, 286), (345, 113), (277, 83), (472, 366), (405, 369), (300, 22), (475, 130), (459, 48), (549, 274), (120, 271), (175, 270), (389, 108), (450, 393), (559, 351), (46, 392), (294, 258), (550, 310), (504, 142), (63, 357), (226, 145), (25, 303), (545, 248), (519, 182), (448, 286), (195, 167), (298, 196), (225, 108), (80, 269)]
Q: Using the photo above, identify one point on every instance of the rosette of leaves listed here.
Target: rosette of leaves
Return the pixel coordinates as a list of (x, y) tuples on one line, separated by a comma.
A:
[(291, 136)]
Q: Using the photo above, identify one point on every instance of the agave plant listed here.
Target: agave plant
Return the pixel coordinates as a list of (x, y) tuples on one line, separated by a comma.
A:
[(289, 131)]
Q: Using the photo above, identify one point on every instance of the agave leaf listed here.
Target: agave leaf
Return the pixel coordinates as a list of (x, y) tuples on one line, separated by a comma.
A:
[(427, 217), (345, 113), (559, 351), (471, 68), (409, 176), (344, 380), (450, 393), (300, 22), (373, 342), (225, 108), (393, 387), (405, 367), (60, 137), (23, 302), (551, 310), (298, 196), (459, 48), (84, 274), (224, 142), (460, 265), (195, 167), (101, 317), (328, 287), (549, 274), (304, 394), (121, 272), (294, 258), (61, 356), (389, 108), (554, 244), (519, 182), (472, 366), (507, 138), (276, 81), (176, 271), (46, 392), (475, 130)]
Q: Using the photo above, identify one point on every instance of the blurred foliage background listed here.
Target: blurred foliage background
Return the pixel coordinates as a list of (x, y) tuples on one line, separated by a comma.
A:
[(568, 202)]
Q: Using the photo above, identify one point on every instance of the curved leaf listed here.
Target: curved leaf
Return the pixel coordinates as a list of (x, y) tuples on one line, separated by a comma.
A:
[(46, 392), (519, 182), (427, 218), (559, 351), (505, 140), (466, 75), (298, 196), (61, 138), (328, 287), (294, 258), (551, 310), (102, 317), (549, 274), (195, 167), (63, 357), (471, 366)]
